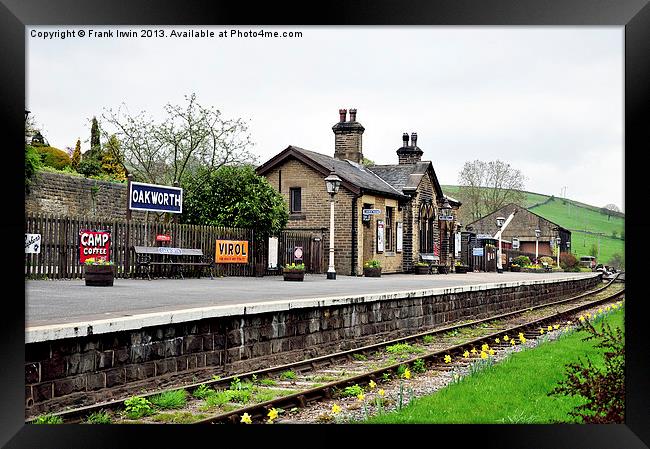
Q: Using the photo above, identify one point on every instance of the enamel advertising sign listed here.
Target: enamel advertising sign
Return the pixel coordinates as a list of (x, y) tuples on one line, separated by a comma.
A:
[(94, 244)]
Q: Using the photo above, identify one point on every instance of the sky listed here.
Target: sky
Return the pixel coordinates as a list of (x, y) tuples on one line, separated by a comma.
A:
[(546, 100)]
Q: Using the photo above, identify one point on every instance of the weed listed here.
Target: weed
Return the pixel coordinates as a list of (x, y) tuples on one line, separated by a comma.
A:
[(353, 390), (202, 391), (401, 370), (427, 339), (48, 419), (100, 417), (137, 407), (178, 417), (385, 376), (216, 377), (403, 349), (288, 375), (419, 366), (267, 382), (359, 357)]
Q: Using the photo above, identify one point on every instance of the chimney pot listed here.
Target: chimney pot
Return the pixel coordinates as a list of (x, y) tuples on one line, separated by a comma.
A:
[(353, 115), (342, 114), (405, 139), (414, 139)]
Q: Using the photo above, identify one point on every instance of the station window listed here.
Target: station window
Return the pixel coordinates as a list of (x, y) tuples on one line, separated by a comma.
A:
[(389, 228), (295, 199)]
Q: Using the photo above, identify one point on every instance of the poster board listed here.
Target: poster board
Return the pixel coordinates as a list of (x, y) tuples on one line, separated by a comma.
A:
[(380, 236), (400, 237)]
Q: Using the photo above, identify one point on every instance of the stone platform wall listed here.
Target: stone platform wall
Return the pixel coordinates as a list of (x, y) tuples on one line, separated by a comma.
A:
[(96, 368)]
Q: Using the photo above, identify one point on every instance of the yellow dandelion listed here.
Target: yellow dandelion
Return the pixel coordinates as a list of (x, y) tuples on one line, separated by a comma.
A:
[(582, 318), (497, 341), (549, 328), (372, 384), (361, 396), (273, 414), (541, 331), (246, 418), (381, 392), (600, 310), (407, 374), (336, 409), (491, 351), (485, 347), (484, 355), (522, 339), (447, 358), (512, 342), (556, 326), (588, 315), (466, 354), (473, 351), (506, 338)]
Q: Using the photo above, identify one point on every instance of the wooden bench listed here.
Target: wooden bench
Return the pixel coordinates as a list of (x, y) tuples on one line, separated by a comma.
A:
[(171, 257), (434, 263)]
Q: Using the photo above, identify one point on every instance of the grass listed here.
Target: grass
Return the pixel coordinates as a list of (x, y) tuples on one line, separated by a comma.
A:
[(48, 419), (100, 417), (514, 390), (170, 399), (403, 349), (178, 417)]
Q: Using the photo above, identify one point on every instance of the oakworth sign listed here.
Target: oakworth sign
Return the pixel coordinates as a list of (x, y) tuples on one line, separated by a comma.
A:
[(155, 198)]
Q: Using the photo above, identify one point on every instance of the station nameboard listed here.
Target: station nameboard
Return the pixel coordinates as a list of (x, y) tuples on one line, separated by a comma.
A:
[(371, 211), (231, 251), (155, 198), (446, 218)]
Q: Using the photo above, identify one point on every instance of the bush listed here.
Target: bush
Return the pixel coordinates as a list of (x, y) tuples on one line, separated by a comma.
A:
[(616, 261), (568, 262), (89, 167), (32, 163), (522, 261), (548, 260), (53, 157), (604, 389)]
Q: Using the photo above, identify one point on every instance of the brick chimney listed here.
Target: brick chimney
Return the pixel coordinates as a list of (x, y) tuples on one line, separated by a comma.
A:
[(347, 137), (409, 154)]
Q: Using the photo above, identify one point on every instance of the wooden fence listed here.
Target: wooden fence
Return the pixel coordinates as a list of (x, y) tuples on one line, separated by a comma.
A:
[(310, 244), (59, 253)]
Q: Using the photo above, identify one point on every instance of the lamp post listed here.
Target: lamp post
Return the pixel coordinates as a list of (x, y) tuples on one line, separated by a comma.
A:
[(445, 211), (332, 182), (538, 233), (500, 221), (557, 243)]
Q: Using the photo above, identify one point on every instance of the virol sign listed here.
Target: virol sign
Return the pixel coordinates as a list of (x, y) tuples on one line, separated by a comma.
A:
[(155, 198), (94, 244), (231, 251)]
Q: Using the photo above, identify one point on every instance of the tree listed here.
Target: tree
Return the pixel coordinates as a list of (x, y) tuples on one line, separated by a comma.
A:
[(612, 207), (488, 186), (367, 162), (192, 140), (95, 143), (76, 155), (111, 159), (593, 251), (616, 261), (233, 196)]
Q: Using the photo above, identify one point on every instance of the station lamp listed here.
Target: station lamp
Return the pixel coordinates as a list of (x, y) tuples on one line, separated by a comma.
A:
[(500, 221), (538, 233), (332, 183), (557, 241)]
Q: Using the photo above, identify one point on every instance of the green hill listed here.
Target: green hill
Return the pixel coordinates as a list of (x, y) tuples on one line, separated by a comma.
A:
[(588, 224)]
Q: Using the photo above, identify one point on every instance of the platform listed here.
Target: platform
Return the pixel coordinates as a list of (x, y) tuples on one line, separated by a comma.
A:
[(67, 308)]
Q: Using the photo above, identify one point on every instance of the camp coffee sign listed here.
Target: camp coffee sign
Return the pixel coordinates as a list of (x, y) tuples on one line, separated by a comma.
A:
[(94, 244), (155, 198)]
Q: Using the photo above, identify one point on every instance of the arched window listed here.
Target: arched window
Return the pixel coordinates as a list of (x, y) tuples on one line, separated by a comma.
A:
[(426, 222)]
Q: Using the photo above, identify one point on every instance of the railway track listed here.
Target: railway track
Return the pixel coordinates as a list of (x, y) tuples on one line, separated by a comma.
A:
[(296, 385)]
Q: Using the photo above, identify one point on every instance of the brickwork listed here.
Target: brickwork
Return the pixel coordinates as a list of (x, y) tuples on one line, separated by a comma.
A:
[(61, 194), (80, 371), (315, 212), (390, 259)]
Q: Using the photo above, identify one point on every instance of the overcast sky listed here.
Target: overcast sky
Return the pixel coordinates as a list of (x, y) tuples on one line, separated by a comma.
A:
[(548, 100)]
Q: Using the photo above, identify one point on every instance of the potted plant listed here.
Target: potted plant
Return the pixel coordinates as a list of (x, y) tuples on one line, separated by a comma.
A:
[(421, 268), (99, 272), (372, 269), (460, 268), (515, 268), (294, 272)]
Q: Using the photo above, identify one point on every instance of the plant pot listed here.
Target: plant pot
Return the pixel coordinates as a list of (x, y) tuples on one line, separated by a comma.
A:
[(372, 272), (443, 269), (421, 269), (461, 269), (294, 275), (99, 275)]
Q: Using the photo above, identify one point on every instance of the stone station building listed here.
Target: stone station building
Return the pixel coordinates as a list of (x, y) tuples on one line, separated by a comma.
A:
[(407, 194)]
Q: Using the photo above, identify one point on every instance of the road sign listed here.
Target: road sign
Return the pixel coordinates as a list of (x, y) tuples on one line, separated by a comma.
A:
[(371, 211)]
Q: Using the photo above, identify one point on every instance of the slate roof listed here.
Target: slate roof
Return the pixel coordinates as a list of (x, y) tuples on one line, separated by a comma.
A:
[(407, 177), (354, 174)]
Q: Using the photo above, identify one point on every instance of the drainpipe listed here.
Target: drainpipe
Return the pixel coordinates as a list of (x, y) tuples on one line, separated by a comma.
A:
[(353, 261)]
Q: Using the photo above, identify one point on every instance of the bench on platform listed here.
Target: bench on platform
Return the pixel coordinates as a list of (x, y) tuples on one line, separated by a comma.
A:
[(151, 256), (434, 263)]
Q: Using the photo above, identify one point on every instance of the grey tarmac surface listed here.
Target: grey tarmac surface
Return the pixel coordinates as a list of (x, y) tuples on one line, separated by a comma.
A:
[(68, 301)]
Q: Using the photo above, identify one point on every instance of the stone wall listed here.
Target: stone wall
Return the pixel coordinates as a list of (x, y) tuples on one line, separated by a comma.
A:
[(61, 194), (99, 367)]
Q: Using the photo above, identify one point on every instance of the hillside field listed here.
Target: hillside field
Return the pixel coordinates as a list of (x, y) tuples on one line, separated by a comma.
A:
[(584, 221)]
